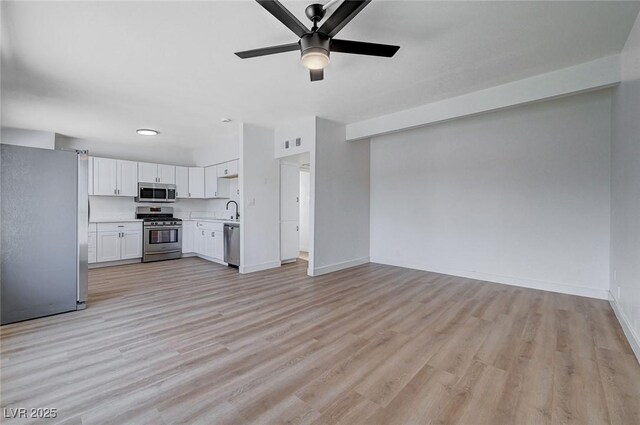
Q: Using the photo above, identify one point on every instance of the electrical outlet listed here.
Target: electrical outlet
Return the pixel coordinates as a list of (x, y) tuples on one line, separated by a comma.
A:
[(286, 144), (298, 141)]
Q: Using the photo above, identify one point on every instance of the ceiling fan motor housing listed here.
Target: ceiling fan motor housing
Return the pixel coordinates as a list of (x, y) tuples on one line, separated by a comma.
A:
[(315, 12), (316, 41)]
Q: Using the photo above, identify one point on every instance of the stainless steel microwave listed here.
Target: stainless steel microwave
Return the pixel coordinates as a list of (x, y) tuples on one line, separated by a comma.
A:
[(156, 192)]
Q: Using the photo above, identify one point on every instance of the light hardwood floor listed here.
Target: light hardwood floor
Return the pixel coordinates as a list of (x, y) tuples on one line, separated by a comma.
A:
[(189, 341)]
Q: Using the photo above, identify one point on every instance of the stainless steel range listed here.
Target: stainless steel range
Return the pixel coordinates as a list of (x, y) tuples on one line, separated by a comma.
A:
[(162, 234)]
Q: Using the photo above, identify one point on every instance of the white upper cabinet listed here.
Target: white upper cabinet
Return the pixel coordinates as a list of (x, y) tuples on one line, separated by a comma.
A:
[(196, 182), (182, 182), (105, 180), (211, 182), (228, 169), (114, 177), (147, 172), (166, 174), (156, 173), (215, 187), (127, 178)]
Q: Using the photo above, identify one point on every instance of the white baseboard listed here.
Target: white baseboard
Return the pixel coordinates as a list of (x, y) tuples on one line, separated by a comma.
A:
[(259, 267), (632, 337), (114, 263), (582, 291), (318, 271)]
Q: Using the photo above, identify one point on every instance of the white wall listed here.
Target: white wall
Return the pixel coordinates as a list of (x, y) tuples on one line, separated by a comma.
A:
[(625, 192), (146, 151), (519, 196), (259, 190), (339, 200), (220, 150), (304, 210), (113, 207), (29, 138), (304, 128)]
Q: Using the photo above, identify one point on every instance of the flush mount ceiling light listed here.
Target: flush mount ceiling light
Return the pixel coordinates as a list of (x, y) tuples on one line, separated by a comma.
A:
[(147, 132)]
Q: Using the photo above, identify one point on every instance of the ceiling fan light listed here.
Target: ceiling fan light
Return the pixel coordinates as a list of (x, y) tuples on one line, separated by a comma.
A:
[(315, 58)]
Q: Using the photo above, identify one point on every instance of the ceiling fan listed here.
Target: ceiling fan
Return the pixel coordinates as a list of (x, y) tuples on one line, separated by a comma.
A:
[(316, 44)]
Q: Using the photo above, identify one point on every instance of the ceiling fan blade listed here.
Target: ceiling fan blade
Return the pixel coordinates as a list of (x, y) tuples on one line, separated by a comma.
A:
[(268, 50), (282, 14), (362, 48), (342, 15), (316, 74)]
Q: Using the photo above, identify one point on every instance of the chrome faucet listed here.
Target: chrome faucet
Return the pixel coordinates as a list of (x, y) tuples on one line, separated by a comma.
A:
[(237, 213)]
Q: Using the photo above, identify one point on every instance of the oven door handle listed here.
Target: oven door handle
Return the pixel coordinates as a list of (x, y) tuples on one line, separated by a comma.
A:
[(163, 227)]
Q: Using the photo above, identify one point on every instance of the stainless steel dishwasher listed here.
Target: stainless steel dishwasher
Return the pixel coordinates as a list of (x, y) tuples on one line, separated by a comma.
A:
[(232, 244)]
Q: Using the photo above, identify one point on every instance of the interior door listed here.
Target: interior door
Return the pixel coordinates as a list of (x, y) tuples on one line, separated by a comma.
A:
[(289, 240), (289, 192), (289, 211), (105, 180), (127, 178)]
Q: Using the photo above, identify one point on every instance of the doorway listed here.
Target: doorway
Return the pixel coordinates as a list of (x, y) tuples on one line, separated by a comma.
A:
[(294, 208)]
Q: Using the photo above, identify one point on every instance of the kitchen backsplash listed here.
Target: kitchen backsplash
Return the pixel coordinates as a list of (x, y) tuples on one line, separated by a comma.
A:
[(112, 207)]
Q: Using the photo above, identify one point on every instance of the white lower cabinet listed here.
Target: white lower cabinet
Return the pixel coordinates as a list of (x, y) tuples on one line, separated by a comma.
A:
[(108, 246), (92, 247), (208, 240), (131, 245), (118, 241), (188, 232)]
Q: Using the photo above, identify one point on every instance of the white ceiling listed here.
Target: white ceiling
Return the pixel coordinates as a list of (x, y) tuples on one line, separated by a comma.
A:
[(99, 70)]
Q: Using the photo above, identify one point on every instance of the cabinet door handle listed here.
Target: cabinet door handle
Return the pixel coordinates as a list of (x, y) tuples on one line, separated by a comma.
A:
[(115, 191), (297, 199), (216, 193), (189, 194), (297, 228), (213, 234), (225, 171)]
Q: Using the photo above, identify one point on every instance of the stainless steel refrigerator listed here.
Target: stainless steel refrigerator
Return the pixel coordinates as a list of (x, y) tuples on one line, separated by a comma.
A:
[(44, 225)]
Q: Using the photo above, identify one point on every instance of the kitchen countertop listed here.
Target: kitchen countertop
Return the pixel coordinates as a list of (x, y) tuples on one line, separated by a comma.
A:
[(212, 220), (114, 220)]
